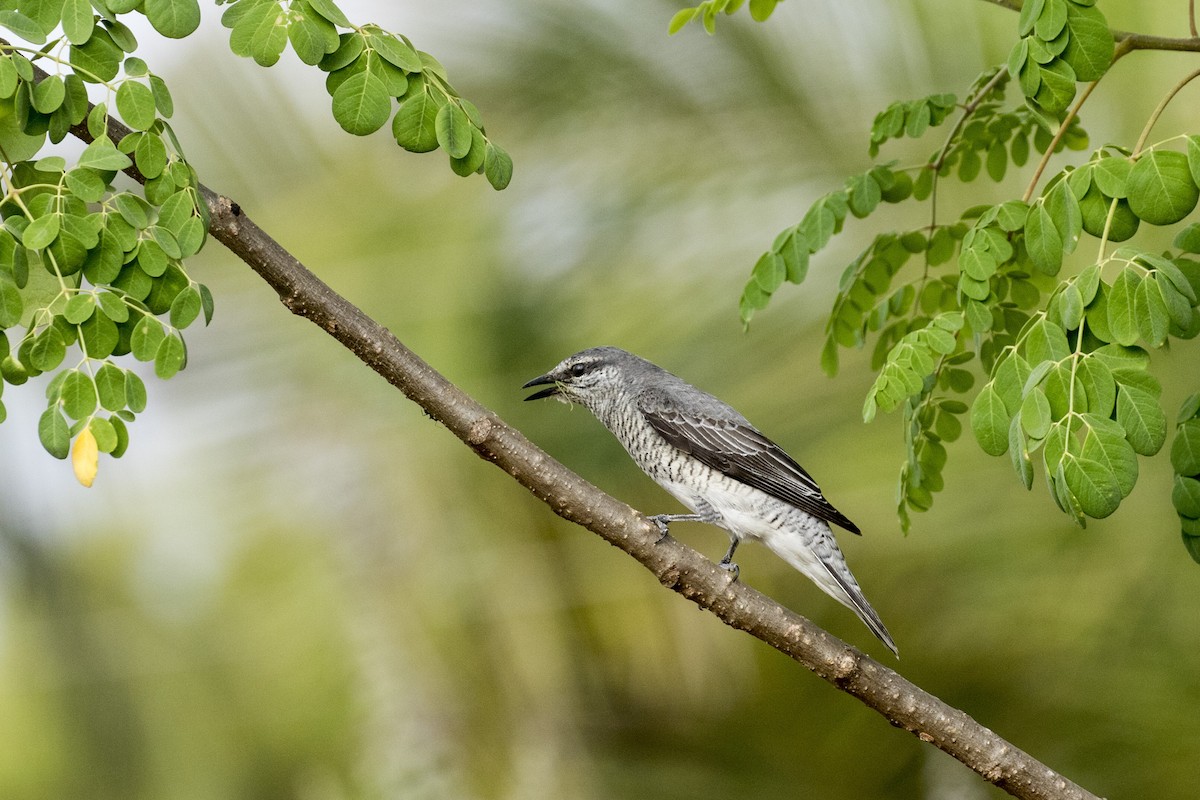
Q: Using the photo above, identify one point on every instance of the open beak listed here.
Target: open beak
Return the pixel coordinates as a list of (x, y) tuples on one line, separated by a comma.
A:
[(542, 380)]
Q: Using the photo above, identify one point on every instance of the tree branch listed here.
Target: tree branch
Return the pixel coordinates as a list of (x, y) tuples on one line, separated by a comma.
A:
[(1128, 40), (675, 565)]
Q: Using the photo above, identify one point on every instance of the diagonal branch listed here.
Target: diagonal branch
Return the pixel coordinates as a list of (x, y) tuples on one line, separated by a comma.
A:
[(675, 565)]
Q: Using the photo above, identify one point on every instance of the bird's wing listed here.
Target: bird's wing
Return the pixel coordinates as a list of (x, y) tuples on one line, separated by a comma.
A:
[(736, 448)]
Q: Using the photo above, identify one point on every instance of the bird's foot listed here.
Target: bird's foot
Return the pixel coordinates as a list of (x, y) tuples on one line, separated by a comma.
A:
[(729, 567), (662, 522)]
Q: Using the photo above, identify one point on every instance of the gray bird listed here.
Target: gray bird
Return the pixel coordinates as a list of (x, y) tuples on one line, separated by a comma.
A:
[(714, 462)]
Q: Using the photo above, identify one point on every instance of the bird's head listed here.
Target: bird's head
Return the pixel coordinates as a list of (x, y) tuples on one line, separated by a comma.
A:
[(585, 377)]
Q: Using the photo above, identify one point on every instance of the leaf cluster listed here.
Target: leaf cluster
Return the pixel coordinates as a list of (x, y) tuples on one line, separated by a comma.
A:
[(1061, 341), (706, 13), (88, 267), (1185, 460), (92, 269), (367, 69)]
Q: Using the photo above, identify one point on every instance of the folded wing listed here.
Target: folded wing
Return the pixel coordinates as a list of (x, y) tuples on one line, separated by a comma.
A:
[(729, 444)]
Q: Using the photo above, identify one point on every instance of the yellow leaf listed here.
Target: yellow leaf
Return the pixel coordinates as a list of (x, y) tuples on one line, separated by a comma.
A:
[(85, 457)]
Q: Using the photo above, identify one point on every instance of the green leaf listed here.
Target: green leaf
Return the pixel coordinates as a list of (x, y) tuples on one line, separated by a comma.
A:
[(497, 166), (1185, 496), (1139, 413), (48, 350), (415, 124), (1122, 307), (77, 21), (135, 104), (147, 335), (54, 433), (23, 26), (473, 160), (135, 392), (1105, 444), (1051, 21), (1046, 341), (174, 19), (150, 156), (1161, 189), (1150, 309), (1031, 10), (98, 336), (41, 232), (361, 105), (1019, 454), (104, 433), (270, 37), (170, 358), (311, 35), (48, 94), (864, 193), (99, 59), (79, 308), (103, 155), (122, 432), (330, 11), (453, 130), (162, 97), (1185, 450), (1035, 414), (86, 184), (350, 47), (113, 307), (681, 18), (1111, 176), (1057, 88), (1090, 47), (395, 51), (110, 386), (989, 421), (1098, 383), (1093, 486), (77, 394), (1043, 242), (185, 307), (1064, 210)]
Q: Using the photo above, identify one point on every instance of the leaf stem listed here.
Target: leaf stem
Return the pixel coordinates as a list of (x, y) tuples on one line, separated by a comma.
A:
[(1062, 131), (1162, 107)]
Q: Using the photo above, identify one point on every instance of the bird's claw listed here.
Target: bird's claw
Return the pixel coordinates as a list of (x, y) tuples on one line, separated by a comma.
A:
[(729, 567), (660, 522)]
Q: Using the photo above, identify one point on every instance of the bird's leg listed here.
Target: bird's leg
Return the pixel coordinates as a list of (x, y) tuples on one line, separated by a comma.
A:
[(726, 562), (663, 520)]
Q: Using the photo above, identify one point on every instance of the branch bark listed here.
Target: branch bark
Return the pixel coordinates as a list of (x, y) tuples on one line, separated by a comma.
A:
[(675, 565)]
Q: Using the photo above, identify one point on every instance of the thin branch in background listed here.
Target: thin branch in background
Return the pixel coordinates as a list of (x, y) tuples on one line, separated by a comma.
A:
[(1058, 135)]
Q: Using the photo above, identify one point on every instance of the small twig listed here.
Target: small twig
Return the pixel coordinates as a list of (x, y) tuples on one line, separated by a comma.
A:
[(1062, 131), (1141, 142)]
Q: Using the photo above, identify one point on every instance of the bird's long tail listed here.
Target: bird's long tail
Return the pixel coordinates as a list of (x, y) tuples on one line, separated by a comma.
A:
[(813, 550)]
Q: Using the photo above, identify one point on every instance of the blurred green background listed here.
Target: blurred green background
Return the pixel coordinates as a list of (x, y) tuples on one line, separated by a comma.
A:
[(295, 585)]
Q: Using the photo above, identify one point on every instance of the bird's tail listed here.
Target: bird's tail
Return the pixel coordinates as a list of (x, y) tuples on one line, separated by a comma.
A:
[(815, 552)]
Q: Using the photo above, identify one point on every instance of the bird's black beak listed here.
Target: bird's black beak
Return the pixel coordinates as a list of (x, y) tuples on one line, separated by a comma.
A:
[(542, 380)]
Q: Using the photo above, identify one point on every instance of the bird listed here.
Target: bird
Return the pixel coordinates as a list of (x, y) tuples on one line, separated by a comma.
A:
[(718, 465)]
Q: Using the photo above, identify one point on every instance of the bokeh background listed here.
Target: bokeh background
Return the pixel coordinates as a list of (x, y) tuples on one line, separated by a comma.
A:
[(295, 585)]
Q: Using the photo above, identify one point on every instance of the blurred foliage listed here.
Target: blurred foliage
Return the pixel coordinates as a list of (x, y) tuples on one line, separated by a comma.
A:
[(297, 586)]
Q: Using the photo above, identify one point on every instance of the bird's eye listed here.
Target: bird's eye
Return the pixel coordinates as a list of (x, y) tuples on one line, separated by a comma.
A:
[(578, 369)]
